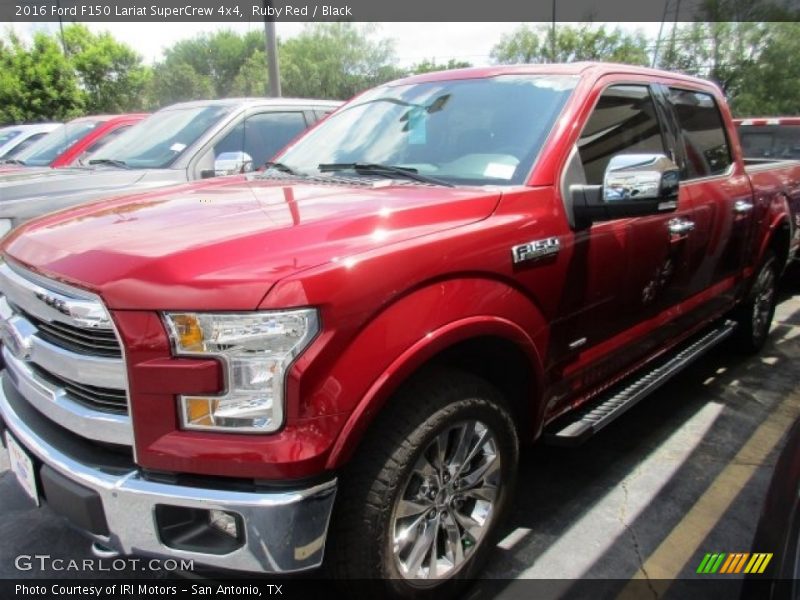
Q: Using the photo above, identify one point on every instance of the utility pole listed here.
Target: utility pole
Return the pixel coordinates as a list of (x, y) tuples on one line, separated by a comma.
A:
[(271, 47), (61, 27), (660, 32), (553, 35)]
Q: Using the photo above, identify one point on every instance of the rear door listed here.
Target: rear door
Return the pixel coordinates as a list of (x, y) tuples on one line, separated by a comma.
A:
[(721, 196)]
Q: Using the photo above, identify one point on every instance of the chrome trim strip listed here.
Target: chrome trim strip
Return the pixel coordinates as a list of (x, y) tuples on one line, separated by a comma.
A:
[(72, 306), (80, 368), (55, 404), (285, 531)]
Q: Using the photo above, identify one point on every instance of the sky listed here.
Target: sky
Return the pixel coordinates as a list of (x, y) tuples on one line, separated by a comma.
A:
[(414, 42)]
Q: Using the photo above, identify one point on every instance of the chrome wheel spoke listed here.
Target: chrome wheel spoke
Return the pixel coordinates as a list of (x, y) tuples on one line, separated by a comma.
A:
[(462, 445), (421, 547), (485, 470), (487, 493), (425, 469), (453, 546), (411, 508)]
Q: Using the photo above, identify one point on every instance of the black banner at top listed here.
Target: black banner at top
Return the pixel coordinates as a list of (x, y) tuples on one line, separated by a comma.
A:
[(398, 10)]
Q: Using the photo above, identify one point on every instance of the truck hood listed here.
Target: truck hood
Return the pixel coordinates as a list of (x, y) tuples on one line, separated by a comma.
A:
[(222, 244), (30, 192)]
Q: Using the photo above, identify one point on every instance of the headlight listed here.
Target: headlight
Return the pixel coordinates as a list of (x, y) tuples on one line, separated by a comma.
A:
[(256, 350)]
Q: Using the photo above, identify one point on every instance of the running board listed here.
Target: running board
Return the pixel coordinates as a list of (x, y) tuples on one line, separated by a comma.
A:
[(574, 429)]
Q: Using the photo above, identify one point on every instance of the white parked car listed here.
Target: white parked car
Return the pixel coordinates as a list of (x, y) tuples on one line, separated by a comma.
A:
[(15, 138)]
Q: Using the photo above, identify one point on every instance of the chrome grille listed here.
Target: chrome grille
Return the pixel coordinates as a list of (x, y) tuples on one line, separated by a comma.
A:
[(94, 342), (99, 398), (63, 355)]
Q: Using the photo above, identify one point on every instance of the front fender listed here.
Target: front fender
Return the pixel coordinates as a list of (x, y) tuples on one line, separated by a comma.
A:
[(411, 331)]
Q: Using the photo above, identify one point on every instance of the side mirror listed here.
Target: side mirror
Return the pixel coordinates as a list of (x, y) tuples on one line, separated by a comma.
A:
[(230, 163), (634, 185)]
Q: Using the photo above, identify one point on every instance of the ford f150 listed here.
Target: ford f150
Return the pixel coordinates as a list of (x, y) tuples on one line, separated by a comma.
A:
[(340, 356)]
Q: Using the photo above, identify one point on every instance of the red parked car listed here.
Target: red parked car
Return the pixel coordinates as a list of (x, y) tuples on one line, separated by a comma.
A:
[(69, 144), (338, 357)]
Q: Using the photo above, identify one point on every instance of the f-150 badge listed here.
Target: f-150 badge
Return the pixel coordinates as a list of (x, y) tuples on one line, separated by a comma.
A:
[(535, 250)]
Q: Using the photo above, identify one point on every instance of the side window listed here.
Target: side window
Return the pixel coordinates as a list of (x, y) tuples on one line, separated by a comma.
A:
[(262, 135), (706, 148), (624, 121), (24, 144)]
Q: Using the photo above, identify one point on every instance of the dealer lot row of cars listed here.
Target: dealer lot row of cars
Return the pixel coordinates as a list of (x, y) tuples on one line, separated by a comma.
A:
[(103, 156)]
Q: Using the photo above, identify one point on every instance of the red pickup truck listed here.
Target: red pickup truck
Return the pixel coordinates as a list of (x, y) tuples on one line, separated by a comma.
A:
[(340, 356)]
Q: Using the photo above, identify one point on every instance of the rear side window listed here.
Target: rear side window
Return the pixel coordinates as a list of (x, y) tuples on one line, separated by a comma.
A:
[(706, 148), (624, 121)]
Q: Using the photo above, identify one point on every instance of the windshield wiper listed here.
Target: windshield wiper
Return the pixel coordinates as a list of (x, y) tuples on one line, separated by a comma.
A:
[(379, 169), (278, 166), (112, 162), (12, 161)]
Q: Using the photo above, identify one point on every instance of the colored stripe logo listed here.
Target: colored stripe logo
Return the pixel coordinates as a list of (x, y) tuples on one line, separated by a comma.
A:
[(734, 562)]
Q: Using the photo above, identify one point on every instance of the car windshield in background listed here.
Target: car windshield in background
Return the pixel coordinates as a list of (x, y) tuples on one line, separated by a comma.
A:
[(6, 135), (159, 140), (469, 131), (770, 141), (47, 149)]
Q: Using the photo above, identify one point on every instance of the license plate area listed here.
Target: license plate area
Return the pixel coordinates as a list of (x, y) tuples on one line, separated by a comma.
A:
[(22, 466)]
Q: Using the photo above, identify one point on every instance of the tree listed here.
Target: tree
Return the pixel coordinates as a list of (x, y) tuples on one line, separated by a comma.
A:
[(37, 83), (769, 86), (719, 51), (430, 65), (335, 60), (205, 66), (111, 73), (572, 43)]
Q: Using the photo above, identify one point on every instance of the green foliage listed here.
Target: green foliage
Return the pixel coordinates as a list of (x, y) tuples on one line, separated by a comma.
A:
[(572, 43), (430, 65), (36, 82), (335, 60), (111, 74), (205, 66)]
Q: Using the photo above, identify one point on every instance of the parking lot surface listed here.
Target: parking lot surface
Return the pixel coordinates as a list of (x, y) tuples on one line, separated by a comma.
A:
[(681, 474)]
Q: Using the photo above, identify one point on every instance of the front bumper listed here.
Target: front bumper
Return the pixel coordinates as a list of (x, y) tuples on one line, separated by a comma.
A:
[(284, 530)]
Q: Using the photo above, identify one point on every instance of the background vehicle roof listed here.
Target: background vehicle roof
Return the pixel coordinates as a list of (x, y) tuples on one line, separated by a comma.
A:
[(254, 102)]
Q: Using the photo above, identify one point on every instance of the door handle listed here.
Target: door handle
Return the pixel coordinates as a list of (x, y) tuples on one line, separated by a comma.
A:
[(741, 207), (680, 226)]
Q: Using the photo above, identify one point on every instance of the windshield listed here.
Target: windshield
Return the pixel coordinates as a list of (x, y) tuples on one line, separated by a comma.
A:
[(159, 140), (6, 135), (770, 141), (55, 143), (469, 131)]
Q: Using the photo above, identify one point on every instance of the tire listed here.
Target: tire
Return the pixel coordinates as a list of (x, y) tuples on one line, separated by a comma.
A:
[(397, 470), (754, 316)]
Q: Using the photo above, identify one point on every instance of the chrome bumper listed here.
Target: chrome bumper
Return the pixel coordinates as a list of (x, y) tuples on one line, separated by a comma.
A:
[(285, 531)]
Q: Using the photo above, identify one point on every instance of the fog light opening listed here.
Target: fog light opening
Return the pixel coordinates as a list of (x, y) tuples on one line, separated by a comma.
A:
[(210, 531)]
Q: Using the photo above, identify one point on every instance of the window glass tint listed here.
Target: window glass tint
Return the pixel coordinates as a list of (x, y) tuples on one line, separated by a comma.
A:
[(6, 135), (55, 143), (262, 135), (19, 148), (623, 122), (161, 138), (99, 143), (705, 144), (485, 131), (770, 141)]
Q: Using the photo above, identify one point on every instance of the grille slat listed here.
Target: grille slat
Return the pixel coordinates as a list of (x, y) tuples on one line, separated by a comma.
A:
[(105, 399), (94, 342)]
